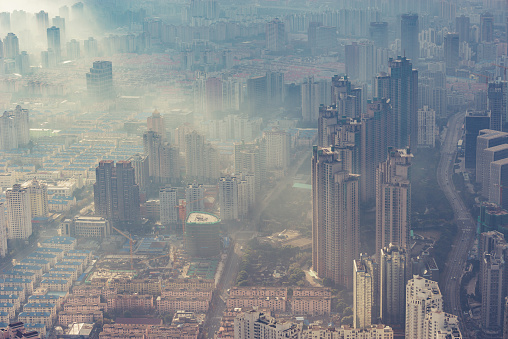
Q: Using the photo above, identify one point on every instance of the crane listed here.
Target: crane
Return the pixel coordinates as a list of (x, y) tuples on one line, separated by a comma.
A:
[(131, 242), (483, 76), (504, 67), (162, 256)]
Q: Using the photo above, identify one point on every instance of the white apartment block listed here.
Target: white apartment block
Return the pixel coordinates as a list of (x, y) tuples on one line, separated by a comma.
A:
[(422, 296), (258, 325), (277, 144), (19, 213)]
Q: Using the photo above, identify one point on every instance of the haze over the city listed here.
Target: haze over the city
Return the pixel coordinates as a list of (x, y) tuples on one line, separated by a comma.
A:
[(270, 169)]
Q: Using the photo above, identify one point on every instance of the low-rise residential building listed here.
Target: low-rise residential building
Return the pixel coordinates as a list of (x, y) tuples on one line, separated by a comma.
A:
[(56, 284), (83, 299), (91, 307), (66, 318), (39, 328), (130, 301), (11, 299), (258, 291), (178, 283), (141, 286), (84, 290), (37, 270), (70, 264), (58, 252), (36, 317), (52, 258), (64, 243), (45, 264), (47, 298), (18, 330), (373, 332), (17, 290), (9, 308), (11, 274), (62, 276), (311, 292), (185, 331), (275, 304), (66, 270), (311, 305), (172, 304), (40, 307), (27, 284), (188, 293), (5, 317), (85, 253)]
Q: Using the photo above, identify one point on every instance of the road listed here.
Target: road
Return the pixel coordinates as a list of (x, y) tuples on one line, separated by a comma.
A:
[(465, 236), (217, 306)]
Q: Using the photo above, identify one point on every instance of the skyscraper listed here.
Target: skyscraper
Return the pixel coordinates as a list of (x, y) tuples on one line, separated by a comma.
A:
[(401, 87), (277, 150), (14, 129), (335, 221), (19, 213), (486, 27), (3, 232), (228, 198), (42, 21), (393, 200), (462, 27), (310, 99), (365, 292), (53, 34), (11, 46), (99, 81), (194, 198), (426, 137), (168, 197), (141, 170), (392, 280), (409, 41), (155, 123), (422, 297), (275, 35), (201, 160), (116, 195), (497, 94), (38, 192), (378, 32), (376, 136), (475, 122), (451, 47)]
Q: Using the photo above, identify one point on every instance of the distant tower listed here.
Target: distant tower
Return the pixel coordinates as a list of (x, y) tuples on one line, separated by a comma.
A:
[(141, 170), (42, 21), (14, 129), (475, 122), (54, 41), (275, 35), (156, 123), (451, 47), (486, 27), (11, 46), (378, 32), (23, 63), (19, 213), (409, 42), (335, 221), (463, 27), (99, 81), (91, 48), (73, 50), (393, 200), (401, 87), (497, 94)]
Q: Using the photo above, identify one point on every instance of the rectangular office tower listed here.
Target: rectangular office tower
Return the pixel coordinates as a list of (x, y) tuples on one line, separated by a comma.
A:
[(497, 94), (401, 87), (486, 138), (393, 200), (498, 191), (116, 195), (475, 122), (335, 220)]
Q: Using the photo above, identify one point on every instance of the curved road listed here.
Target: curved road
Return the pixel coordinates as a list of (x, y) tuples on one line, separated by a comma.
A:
[(465, 223)]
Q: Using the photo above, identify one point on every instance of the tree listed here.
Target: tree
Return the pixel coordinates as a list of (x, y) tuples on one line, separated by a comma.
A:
[(347, 320), (347, 312)]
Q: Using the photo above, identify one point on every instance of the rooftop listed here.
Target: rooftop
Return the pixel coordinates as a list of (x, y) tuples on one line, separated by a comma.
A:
[(202, 218)]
